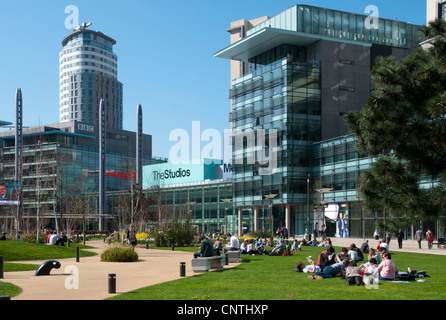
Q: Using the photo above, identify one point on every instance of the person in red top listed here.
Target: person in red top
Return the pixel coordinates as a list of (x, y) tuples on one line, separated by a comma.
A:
[(430, 238), (326, 257), (49, 236)]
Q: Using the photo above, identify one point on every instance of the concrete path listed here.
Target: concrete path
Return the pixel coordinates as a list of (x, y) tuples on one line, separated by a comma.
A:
[(154, 266), (408, 245)]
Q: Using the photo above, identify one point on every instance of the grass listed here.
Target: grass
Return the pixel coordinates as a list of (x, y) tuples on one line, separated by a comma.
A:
[(273, 278), (8, 289), (25, 251)]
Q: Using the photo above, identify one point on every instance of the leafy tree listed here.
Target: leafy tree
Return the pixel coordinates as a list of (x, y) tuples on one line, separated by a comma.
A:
[(403, 125)]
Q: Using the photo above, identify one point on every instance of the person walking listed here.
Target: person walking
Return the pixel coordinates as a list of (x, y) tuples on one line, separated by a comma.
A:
[(388, 237), (131, 237), (399, 237), (419, 237)]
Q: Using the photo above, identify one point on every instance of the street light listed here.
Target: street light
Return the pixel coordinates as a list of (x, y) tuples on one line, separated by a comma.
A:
[(226, 201), (270, 197)]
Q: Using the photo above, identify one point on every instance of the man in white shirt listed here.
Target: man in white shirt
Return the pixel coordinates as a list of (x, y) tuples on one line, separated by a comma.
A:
[(54, 238), (233, 245)]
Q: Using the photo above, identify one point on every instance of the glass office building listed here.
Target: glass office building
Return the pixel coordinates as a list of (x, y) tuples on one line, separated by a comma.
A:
[(337, 165), (200, 190), (305, 68), (61, 166)]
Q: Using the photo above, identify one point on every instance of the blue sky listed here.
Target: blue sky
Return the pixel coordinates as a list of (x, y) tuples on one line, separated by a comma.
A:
[(165, 55)]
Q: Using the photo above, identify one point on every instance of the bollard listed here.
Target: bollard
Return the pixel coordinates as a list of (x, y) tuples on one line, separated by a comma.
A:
[(77, 254), (226, 259), (147, 245), (77, 238), (182, 269), (1, 267), (68, 243), (112, 283), (173, 246)]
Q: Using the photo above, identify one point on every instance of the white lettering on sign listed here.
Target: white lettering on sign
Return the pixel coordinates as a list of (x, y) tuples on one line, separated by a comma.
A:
[(85, 127)]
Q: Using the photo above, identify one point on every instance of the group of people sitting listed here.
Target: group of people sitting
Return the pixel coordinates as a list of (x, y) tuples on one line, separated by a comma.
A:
[(54, 239), (209, 249), (347, 264), (279, 247)]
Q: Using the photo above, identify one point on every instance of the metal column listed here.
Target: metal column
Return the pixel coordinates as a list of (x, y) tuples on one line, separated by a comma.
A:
[(102, 168), (19, 156), (139, 151)]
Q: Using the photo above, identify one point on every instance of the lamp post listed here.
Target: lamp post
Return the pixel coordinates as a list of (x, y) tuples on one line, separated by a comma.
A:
[(270, 197), (226, 201), (190, 204), (308, 206)]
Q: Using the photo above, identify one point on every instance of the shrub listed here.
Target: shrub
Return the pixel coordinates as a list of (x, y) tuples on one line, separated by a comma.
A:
[(179, 233), (261, 234), (31, 237), (119, 254)]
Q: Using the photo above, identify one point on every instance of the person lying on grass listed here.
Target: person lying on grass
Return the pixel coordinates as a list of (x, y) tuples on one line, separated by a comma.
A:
[(335, 270), (311, 268)]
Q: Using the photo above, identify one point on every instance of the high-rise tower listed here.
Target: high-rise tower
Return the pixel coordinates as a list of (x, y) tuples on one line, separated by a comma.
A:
[(89, 73)]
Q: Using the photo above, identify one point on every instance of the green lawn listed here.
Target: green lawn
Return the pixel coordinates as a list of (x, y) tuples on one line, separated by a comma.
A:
[(24, 251), (273, 278)]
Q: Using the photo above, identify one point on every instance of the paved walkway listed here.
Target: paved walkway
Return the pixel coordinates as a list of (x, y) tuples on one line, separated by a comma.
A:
[(408, 245), (154, 266)]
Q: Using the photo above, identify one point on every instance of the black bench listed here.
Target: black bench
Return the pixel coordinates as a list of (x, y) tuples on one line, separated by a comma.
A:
[(46, 267)]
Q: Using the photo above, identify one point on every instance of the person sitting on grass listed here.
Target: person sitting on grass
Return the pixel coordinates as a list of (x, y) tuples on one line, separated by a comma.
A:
[(313, 242), (278, 250), (259, 247), (352, 253), (54, 238), (387, 269), (325, 243), (342, 255), (370, 267), (288, 246), (62, 239), (335, 270), (353, 274), (244, 247), (251, 248), (326, 258), (374, 255)]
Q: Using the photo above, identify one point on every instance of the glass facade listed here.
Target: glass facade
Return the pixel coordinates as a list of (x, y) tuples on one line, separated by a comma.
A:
[(59, 167), (337, 166), (343, 26), (282, 93), (208, 204)]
